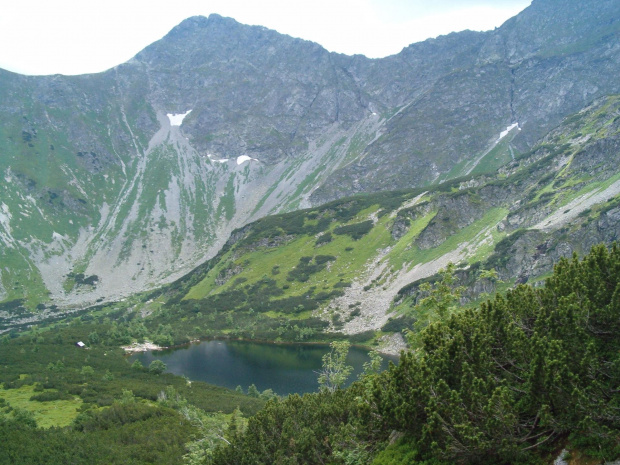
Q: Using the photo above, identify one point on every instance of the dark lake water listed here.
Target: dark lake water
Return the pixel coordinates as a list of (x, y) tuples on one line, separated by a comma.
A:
[(285, 368)]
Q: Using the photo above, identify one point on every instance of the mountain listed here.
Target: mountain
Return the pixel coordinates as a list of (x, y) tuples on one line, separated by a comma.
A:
[(355, 265), (122, 181)]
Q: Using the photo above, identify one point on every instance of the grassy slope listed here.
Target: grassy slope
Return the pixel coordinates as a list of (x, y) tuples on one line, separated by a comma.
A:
[(48, 413), (269, 251)]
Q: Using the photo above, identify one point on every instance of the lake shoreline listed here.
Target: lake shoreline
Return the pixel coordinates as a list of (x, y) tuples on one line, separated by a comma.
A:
[(390, 349), (283, 366)]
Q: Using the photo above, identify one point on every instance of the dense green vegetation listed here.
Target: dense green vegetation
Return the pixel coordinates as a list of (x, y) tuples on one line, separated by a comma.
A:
[(512, 381), (122, 434), (62, 404)]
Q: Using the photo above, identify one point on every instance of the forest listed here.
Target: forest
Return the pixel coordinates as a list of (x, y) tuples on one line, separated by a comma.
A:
[(511, 382), (515, 380)]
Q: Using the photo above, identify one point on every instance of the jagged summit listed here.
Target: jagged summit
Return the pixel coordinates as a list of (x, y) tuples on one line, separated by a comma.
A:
[(217, 37), (212, 27)]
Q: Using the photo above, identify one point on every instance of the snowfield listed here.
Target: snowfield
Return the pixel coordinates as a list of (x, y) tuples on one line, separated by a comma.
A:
[(176, 119)]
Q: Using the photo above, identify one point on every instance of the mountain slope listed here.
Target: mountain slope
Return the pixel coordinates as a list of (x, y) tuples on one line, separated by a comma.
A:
[(108, 189), (355, 265), (547, 62)]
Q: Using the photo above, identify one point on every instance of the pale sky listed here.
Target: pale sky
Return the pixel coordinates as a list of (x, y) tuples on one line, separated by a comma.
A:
[(86, 36)]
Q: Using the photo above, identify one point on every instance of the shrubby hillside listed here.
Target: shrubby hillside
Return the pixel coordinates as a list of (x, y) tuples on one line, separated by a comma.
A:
[(514, 380), (62, 404)]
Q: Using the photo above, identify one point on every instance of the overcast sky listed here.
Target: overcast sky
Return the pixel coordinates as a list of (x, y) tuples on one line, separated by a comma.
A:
[(84, 36)]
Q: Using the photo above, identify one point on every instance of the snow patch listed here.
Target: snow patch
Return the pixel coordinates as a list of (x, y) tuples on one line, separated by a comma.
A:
[(244, 158), (57, 237), (507, 131), (5, 217), (217, 160), (176, 119), (5, 222)]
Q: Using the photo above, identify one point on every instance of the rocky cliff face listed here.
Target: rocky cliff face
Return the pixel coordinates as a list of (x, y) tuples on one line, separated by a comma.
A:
[(546, 63), (123, 180)]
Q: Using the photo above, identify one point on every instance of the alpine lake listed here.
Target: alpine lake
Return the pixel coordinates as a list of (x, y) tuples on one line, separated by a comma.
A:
[(284, 368)]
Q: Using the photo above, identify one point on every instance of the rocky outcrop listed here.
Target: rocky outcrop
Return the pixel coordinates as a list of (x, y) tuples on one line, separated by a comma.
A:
[(454, 212), (533, 71), (400, 227)]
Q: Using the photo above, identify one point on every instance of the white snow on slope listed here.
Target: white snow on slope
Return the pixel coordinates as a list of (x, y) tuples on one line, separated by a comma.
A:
[(217, 160), (240, 160), (244, 158), (5, 228), (508, 129), (176, 119), (5, 217)]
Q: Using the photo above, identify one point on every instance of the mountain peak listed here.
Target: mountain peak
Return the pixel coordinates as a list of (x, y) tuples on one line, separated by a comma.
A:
[(195, 25), (200, 35), (199, 22)]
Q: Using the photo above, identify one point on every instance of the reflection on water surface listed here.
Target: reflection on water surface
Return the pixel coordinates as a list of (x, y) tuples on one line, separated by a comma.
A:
[(285, 368)]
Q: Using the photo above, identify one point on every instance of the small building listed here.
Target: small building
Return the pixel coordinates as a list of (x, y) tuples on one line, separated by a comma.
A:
[(80, 344)]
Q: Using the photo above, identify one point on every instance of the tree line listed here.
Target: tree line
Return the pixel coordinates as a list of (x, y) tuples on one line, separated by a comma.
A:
[(509, 382), (505, 383)]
